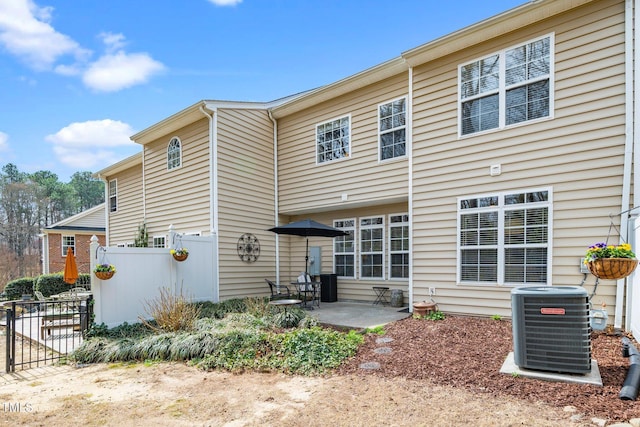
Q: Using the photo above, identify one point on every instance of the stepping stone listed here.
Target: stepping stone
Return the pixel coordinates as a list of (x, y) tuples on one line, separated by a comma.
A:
[(382, 350), (384, 340), (370, 365)]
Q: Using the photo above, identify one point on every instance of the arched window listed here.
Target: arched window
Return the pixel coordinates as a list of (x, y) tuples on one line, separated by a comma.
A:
[(174, 154)]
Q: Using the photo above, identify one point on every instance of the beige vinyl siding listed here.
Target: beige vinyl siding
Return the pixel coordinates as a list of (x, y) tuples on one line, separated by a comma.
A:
[(246, 198), (348, 289), (578, 153), (123, 224), (307, 186), (179, 196)]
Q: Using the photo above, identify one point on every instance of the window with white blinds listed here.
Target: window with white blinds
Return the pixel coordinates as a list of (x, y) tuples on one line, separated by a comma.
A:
[(504, 238)]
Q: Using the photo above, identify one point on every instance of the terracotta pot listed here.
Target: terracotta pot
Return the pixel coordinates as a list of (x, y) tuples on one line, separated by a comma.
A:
[(423, 308), (104, 275), (612, 268), (180, 258)]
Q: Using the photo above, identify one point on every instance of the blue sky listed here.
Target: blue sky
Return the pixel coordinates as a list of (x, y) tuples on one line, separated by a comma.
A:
[(79, 77)]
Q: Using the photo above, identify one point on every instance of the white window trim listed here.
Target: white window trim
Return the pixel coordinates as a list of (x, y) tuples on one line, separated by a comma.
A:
[(354, 254), (405, 127), (502, 89), (315, 139), (115, 195), (390, 252), (63, 247), (161, 236), (175, 138), (500, 261), (359, 247)]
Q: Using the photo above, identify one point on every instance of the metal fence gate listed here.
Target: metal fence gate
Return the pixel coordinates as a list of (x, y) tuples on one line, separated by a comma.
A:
[(39, 333)]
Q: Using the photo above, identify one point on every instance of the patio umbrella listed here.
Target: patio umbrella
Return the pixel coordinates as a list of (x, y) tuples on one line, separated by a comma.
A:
[(306, 228), (70, 274)]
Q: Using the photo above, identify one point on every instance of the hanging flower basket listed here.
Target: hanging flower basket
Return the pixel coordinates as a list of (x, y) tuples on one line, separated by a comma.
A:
[(610, 261), (104, 271), (180, 254), (612, 268)]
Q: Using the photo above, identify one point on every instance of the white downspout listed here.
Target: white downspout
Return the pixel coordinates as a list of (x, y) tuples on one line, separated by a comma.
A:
[(410, 183), (107, 204), (275, 187), (631, 160), (213, 188)]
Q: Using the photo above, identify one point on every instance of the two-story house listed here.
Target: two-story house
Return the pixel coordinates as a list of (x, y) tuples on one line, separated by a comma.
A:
[(486, 159)]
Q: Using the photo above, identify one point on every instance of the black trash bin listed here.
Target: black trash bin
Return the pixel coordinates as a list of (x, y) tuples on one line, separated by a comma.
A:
[(328, 287)]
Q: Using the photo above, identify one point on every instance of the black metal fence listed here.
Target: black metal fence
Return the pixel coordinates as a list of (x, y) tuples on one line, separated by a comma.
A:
[(39, 333)]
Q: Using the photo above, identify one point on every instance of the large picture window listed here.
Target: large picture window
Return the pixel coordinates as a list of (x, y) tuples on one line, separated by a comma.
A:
[(372, 248), (344, 248), (333, 140), (505, 238), (508, 87), (392, 126), (399, 246)]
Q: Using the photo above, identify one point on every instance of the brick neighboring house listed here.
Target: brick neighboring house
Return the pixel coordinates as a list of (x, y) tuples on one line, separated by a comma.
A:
[(74, 232)]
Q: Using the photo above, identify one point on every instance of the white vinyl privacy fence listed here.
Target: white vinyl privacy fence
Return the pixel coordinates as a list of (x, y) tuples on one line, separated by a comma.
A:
[(142, 272)]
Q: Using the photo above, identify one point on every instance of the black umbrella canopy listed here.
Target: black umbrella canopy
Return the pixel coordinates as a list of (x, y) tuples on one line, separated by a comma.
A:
[(306, 228)]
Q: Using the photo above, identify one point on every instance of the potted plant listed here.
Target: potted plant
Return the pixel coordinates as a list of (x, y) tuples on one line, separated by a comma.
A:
[(179, 254), (609, 261), (104, 271)]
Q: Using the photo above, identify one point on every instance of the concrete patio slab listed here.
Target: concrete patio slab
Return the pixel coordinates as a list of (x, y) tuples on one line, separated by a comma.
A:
[(354, 315)]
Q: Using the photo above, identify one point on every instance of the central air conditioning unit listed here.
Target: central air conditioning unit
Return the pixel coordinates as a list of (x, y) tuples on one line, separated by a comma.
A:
[(551, 329)]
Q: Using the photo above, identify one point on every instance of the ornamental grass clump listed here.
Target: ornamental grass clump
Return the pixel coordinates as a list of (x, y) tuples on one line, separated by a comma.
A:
[(602, 250), (171, 312)]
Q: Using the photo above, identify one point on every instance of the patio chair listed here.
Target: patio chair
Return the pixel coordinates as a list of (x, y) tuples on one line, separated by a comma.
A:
[(283, 293)]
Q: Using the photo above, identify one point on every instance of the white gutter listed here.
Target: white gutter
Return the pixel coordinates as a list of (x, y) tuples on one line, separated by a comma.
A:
[(410, 183), (631, 156), (275, 186)]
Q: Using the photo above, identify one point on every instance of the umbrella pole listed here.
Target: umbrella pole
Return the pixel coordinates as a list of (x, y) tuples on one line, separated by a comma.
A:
[(306, 261)]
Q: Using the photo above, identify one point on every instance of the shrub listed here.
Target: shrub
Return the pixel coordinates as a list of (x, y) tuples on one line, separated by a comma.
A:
[(171, 312), (51, 284), (16, 288), (221, 309)]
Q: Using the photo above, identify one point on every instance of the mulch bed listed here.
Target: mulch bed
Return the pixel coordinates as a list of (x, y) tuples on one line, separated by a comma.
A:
[(468, 352)]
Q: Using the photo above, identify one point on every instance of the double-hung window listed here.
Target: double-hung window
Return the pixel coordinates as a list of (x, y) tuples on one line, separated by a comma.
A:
[(508, 87), (399, 246), (113, 195), (372, 248), (333, 140), (392, 128), (159, 241), (68, 242), (344, 248), (505, 238), (174, 154)]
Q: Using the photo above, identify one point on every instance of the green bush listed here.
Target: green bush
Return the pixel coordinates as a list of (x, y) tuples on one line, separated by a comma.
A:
[(16, 288), (51, 284)]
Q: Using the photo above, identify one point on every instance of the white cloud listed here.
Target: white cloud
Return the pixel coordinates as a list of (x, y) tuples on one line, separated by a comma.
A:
[(26, 33), (91, 144), (225, 2), (113, 72), (4, 144), (117, 69)]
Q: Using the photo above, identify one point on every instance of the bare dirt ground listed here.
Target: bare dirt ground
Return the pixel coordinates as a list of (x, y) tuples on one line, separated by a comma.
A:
[(443, 373)]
